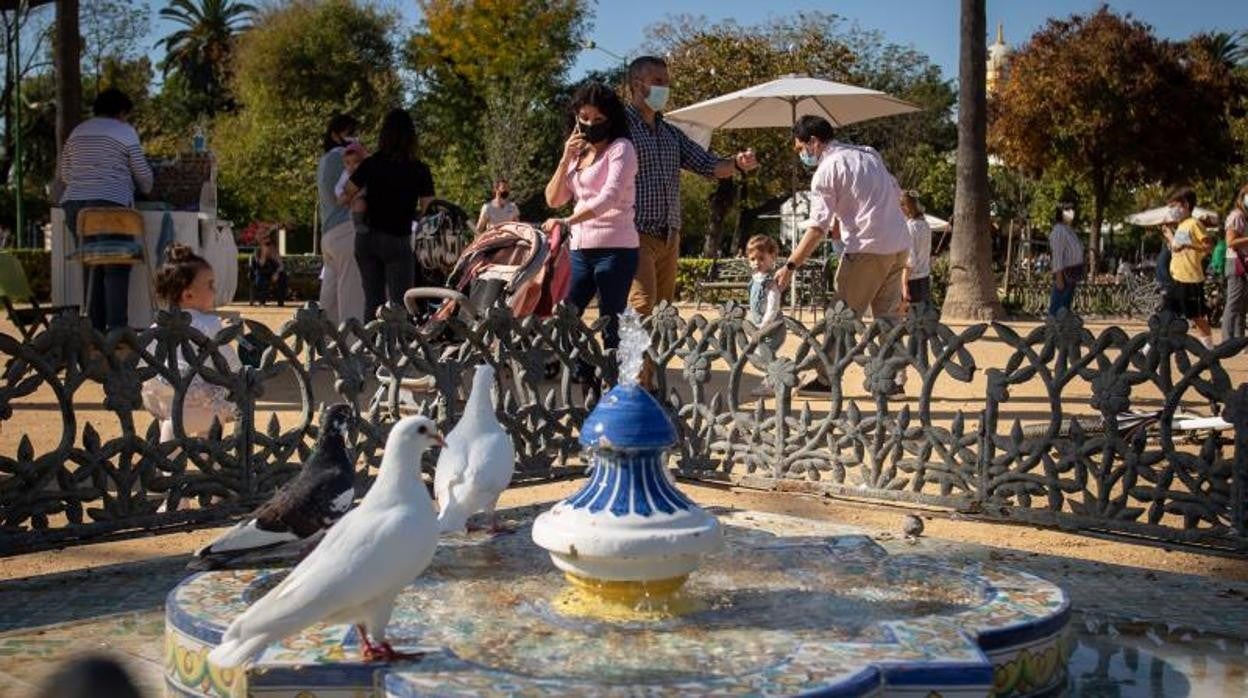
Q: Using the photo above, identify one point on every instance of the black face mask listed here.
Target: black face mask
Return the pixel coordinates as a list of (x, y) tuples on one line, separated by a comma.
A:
[(504, 194), (594, 133)]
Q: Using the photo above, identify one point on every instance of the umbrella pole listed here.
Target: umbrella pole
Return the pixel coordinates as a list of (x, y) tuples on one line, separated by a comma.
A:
[(793, 211)]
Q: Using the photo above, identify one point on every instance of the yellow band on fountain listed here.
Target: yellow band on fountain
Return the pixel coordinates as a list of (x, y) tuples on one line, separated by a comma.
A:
[(629, 591), (602, 599)]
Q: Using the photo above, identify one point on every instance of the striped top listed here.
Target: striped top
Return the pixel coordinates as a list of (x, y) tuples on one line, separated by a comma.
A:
[(102, 159)]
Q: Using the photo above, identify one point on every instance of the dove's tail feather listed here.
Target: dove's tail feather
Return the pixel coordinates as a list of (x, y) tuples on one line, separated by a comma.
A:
[(244, 537), (452, 519), (233, 652)]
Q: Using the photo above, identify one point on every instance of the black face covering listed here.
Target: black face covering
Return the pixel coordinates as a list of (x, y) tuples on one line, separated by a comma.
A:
[(504, 194), (594, 133)]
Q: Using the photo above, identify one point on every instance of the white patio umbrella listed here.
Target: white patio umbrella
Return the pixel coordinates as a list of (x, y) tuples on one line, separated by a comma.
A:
[(779, 103), (936, 225), (1161, 216)]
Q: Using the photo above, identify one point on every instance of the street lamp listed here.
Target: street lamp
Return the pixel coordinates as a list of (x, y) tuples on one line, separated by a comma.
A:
[(590, 45)]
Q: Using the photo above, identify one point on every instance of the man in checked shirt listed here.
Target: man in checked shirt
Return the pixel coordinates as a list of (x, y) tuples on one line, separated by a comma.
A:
[(662, 152)]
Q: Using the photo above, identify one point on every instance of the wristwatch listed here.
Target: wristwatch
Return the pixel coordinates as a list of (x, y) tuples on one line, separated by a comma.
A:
[(790, 265)]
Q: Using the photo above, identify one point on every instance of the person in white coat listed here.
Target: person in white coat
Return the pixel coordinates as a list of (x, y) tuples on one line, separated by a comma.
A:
[(342, 290)]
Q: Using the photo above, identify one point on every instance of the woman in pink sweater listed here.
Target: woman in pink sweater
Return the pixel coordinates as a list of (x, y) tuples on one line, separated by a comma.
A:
[(598, 170)]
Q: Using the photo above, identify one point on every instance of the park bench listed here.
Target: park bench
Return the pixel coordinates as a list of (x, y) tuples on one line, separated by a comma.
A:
[(729, 279)]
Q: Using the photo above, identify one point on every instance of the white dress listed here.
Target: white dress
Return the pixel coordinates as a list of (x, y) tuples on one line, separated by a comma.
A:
[(203, 401)]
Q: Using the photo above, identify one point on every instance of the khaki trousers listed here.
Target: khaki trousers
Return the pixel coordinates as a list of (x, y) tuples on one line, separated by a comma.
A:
[(872, 281), (656, 272)]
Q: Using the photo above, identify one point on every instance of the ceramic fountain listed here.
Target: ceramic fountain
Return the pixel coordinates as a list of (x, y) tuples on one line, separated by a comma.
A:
[(663, 599)]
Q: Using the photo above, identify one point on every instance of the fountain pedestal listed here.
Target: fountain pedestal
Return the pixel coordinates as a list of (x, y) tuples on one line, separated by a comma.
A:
[(629, 532)]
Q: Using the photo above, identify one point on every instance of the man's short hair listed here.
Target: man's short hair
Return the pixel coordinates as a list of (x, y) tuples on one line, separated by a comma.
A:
[(642, 64), (112, 103), (1185, 194), (811, 125), (763, 244)]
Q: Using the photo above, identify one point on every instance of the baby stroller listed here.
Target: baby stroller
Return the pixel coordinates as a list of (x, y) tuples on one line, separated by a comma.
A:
[(517, 263), (441, 235)]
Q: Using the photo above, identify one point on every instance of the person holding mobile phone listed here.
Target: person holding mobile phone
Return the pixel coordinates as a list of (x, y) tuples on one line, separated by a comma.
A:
[(597, 172)]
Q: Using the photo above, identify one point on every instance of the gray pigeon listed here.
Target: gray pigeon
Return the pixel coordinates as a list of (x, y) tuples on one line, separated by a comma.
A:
[(306, 505), (912, 526)]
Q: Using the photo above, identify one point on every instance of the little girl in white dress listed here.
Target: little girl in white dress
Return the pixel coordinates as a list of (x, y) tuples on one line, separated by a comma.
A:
[(185, 282)]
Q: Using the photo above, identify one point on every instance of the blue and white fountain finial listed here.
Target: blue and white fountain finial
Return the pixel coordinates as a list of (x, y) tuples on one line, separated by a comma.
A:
[(634, 341), (628, 525)]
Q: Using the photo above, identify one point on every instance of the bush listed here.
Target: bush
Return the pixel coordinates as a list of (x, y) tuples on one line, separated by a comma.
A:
[(37, 264)]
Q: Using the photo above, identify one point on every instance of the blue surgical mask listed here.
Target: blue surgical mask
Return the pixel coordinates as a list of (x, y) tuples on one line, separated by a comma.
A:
[(809, 159), (657, 98)]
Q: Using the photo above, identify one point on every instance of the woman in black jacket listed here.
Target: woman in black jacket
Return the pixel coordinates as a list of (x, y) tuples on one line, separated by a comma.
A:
[(398, 188)]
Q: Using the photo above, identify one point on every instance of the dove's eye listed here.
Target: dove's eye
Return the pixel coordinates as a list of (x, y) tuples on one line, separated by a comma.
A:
[(422, 430)]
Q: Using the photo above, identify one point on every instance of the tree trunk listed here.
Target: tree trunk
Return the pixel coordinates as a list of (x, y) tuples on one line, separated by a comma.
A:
[(721, 201), (972, 291), (68, 53)]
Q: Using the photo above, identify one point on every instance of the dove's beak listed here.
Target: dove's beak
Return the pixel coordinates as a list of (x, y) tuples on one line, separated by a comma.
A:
[(437, 439)]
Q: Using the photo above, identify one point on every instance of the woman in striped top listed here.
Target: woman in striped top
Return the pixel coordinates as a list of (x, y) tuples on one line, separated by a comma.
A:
[(101, 165)]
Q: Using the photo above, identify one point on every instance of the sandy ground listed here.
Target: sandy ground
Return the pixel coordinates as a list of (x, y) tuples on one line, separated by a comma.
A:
[(38, 418)]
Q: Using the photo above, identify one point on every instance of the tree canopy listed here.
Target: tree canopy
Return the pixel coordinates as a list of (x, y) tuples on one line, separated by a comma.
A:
[(299, 65), (488, 80), (1102, 97)]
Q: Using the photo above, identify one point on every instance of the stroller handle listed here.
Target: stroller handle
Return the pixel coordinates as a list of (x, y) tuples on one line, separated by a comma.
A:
[(413, 296)]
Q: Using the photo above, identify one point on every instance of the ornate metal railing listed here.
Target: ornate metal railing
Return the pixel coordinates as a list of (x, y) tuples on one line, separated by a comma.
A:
[(85, 483), (1136, 296)]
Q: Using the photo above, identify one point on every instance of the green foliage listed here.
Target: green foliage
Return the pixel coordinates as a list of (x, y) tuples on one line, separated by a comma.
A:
[(489, 81), (111, 32), (298, 66), (37, 264)]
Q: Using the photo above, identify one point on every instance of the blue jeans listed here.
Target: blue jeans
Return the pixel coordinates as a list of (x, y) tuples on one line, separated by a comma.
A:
[(1063, 297), (110, 283), (608, 272)]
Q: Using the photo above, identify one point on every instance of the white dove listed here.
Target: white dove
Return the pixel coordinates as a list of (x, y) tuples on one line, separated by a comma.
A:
[(361, 565), (477, 463)]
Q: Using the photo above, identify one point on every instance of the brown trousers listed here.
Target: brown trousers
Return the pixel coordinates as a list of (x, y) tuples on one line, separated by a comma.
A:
[(656, 272)]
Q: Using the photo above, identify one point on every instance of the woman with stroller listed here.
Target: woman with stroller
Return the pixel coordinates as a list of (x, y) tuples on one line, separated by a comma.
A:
[(598, 171), (400, 188)]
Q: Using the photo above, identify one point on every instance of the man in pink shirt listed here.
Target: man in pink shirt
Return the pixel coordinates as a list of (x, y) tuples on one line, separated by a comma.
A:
[(854, 188)]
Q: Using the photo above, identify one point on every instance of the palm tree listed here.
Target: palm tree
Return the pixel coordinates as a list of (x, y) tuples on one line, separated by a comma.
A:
[(1231, 48), (200, 51), (972, 291)]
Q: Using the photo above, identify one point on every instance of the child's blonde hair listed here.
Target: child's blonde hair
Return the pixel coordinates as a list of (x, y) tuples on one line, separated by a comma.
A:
[(764, 244)]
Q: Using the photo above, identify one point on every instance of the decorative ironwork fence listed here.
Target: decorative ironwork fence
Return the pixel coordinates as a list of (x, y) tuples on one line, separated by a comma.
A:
[(1136, 296), (976, 456)]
